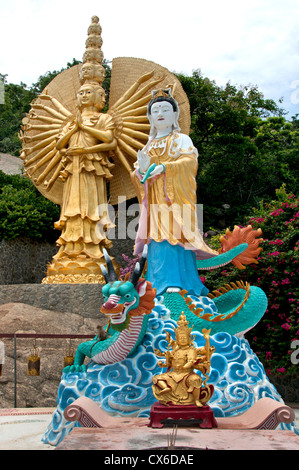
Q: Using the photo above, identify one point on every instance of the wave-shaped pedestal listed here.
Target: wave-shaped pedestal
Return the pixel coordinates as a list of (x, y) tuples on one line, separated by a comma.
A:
[(125, 388)]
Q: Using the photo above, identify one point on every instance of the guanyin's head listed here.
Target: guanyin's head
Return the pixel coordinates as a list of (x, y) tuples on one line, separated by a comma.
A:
[(163, 112)]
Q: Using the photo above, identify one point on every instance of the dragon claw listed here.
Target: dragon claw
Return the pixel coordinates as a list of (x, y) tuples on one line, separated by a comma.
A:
[(74, 368)]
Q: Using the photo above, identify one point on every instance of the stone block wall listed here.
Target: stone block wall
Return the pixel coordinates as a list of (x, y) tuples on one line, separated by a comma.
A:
[(24, 261), (82, 299)]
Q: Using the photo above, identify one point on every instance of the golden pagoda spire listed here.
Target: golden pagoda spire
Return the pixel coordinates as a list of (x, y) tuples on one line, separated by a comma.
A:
[(92, 70)]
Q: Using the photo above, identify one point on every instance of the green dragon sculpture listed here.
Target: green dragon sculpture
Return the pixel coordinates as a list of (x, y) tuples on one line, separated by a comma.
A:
[(127, 305)]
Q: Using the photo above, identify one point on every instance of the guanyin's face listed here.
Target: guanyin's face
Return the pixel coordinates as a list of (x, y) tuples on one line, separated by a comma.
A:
[(162, 115), (89, 96), (86, 96)]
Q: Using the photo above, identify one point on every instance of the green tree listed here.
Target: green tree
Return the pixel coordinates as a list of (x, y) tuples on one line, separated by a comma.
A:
[(16, 105), (24, 212), (239, 162)]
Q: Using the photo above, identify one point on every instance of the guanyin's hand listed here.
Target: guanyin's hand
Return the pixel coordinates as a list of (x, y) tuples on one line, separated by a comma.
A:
[(143, 160), (153, 170)]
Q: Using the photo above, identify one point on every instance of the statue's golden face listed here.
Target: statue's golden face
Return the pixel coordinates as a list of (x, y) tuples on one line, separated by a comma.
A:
[(86, 96), (183, 339), (87, 71), (91, 96), (91, 71)]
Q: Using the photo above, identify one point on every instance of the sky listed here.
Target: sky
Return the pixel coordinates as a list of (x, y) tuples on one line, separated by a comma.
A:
[(252, 42)]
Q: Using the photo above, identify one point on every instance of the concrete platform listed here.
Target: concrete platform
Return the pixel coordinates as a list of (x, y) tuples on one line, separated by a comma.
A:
[(187, 438), (23, 428)]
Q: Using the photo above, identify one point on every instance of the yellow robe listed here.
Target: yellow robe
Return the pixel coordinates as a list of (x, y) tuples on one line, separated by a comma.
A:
[(83, 227), (169, 210)]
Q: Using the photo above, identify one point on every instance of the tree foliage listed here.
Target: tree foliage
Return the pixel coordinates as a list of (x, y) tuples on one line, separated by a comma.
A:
[(246, 147), (24, 212)]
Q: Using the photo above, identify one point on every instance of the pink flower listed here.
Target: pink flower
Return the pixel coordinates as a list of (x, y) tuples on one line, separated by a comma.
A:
[(277, 212), (276, 242), (275, 306), (280, 369), (275, 253), (286, 326)]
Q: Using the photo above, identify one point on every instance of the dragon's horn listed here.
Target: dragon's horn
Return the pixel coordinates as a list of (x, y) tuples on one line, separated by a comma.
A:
[(143, 258), (111, 274), (139, 267), (105, 273), (136, 275)]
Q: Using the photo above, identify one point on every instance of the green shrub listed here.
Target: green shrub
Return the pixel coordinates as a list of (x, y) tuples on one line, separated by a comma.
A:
[(24, 212)]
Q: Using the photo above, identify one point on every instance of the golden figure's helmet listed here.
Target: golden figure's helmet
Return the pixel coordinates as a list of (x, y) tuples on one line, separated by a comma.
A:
[(183, 328)]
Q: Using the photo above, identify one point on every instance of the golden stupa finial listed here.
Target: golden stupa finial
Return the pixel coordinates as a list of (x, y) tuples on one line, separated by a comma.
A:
[(92, 70)]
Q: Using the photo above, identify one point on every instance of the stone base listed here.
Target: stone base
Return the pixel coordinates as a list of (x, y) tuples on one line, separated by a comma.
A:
[(192, 415), (79, 269), (74, 279)]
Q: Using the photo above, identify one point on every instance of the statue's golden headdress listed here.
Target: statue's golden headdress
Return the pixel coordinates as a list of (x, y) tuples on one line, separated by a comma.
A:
[(166, 93), (183, 327)]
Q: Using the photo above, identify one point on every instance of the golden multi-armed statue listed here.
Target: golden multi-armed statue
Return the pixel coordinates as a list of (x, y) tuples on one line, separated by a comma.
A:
[(181, 385), (71, 150)]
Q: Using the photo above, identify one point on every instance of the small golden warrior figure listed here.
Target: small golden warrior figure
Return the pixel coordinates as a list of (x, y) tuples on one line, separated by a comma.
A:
[(180, 385)]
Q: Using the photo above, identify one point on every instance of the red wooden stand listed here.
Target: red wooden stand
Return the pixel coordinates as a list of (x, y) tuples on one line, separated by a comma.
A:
[(190, 415)]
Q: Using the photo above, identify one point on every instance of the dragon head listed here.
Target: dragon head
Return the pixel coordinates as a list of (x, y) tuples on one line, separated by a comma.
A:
[(127, 298)]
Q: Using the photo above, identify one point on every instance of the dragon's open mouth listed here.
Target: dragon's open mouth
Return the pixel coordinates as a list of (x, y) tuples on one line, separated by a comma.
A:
[(117, 312)]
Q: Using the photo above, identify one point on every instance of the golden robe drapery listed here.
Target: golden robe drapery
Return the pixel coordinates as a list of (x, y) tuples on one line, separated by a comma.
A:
[(84, 215)]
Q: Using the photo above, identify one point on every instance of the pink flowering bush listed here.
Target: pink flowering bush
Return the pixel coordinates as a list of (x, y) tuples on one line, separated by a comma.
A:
[(277, 274), (129, 268)]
